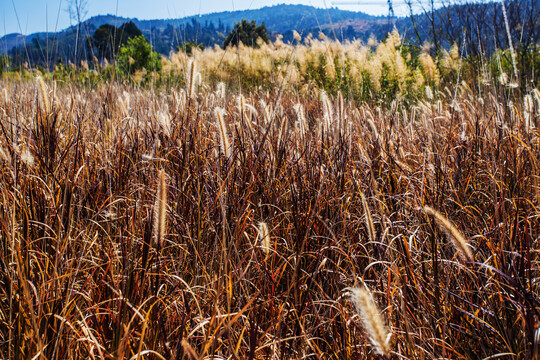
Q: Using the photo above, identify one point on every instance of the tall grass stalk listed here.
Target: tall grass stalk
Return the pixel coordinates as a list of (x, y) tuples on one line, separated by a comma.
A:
[(44, 94), (160, 210), (372, 319), (219, 113)]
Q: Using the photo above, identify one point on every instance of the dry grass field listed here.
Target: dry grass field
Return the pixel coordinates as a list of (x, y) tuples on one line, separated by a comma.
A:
[(199, 222)]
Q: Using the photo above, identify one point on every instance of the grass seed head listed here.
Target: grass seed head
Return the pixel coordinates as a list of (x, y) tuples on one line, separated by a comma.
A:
[(264, 236), (222, 128), (372, 319), (44, 95), (301, 119), (369, 219), (458, 240), (160, 209)]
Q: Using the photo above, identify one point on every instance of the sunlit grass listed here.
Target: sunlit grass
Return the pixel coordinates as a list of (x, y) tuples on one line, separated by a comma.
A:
[(202, 222)]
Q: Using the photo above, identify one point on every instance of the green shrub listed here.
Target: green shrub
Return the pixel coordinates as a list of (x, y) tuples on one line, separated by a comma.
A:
[(188, 47), (5, 63), (138, 55)]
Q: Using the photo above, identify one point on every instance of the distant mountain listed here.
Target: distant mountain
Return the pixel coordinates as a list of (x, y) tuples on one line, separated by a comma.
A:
[(477, 26), (278, 18), (282, 18), (10, 41), (208, 29)]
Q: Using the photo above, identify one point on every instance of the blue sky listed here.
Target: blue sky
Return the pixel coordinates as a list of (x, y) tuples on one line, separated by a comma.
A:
[(29, 16)]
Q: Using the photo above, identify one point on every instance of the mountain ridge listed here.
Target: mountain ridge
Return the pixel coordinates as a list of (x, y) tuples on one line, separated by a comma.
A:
[(306, 17), (444, 27)]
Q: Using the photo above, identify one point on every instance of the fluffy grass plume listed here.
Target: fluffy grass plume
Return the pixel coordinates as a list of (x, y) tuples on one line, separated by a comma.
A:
[(44, 96), (222, 127), (264, 237), (328, 116), (458, 240), (301, 118), (192, 78), (160, 210), (372, 319), (369, 219)]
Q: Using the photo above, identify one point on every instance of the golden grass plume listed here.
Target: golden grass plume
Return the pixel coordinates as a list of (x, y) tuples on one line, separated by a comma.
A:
[(457, 238), (369, 219), (372, 319), (44, 96), (160, 209), (264, 237), (225, 144)]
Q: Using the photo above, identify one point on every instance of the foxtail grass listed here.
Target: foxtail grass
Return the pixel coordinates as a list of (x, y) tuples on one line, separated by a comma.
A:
[(301, 118), (264, 237), (457, 238), (372, 319), (160, 210), (222, 129), (44, 94), (194, 78), (369, 219)]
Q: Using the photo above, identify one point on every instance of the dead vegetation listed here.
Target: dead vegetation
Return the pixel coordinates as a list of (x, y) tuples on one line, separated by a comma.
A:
[(198, 224)]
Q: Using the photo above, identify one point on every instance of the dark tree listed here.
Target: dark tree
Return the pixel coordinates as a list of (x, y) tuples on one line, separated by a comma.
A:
[(104, 41), (350, 33), (246, 32), (108, 39), (128, 31)]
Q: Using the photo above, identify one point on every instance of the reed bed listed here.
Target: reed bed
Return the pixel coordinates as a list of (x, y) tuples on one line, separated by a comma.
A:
[(202, 223), (377, 69)]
